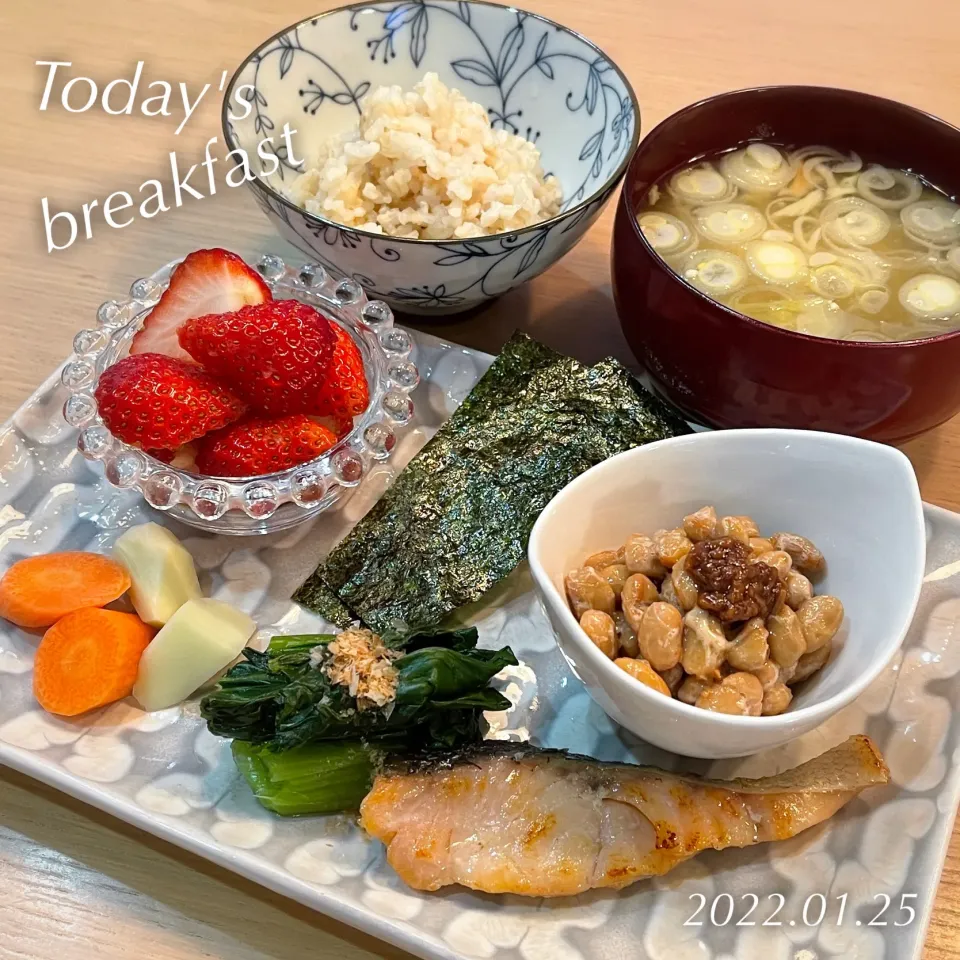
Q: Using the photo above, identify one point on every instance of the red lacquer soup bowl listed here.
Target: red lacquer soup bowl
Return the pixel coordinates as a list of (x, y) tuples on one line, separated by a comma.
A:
[(727, 370)]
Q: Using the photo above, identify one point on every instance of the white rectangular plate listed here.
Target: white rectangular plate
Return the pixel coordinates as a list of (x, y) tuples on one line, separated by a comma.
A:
[(166, 774)]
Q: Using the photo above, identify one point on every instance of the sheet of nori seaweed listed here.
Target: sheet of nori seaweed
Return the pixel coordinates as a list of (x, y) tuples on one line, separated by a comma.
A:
[(457, 518)]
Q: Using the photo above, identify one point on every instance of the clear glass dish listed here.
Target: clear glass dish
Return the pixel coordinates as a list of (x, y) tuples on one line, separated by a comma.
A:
[(263, 504)]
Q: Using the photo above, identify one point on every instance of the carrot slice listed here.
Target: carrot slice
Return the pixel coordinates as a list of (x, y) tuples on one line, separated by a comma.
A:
[(38, 591), (88, 659)]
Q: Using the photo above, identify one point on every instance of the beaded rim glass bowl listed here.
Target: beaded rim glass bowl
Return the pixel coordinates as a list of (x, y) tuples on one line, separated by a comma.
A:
[(264, 504)]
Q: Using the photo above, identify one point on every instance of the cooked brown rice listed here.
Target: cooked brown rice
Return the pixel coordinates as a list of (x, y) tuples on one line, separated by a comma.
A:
[(428, 165)]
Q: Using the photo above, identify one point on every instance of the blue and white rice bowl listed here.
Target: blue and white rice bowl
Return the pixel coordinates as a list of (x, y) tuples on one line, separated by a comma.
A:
[(535, 77)]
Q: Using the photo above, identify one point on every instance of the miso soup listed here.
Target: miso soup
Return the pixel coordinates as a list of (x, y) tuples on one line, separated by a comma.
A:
[(812, 240)]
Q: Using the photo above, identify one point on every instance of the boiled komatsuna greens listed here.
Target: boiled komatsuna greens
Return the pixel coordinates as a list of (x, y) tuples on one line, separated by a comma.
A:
[(457, 519), (316, 778), (313, 716), (433, 690)]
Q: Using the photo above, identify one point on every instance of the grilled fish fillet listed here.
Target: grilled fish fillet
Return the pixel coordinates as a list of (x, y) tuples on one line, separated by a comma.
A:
[(548, 824)]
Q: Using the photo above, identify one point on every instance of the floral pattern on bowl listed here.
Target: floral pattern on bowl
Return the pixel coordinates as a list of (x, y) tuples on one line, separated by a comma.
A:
[(262, 504), (535, 77)]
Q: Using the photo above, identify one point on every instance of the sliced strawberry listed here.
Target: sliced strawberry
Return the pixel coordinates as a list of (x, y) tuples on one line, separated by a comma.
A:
[(158, 403), (343, 392), (206, 281), (272, 354), (257, 446)]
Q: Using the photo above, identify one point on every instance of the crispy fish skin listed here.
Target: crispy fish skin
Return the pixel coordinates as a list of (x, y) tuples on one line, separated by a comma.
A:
[(548, 824)]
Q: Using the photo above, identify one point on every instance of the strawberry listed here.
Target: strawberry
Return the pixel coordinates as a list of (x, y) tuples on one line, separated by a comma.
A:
[(206, 281), (157, 403), (257, 445), (343, 392), (272, 354)]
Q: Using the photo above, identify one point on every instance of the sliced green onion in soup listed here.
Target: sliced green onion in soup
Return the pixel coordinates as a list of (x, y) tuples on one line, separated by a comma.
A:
[(702, 184), (863, 268), (819, 151), (714, 272), (761, 295), (932, 222), (953, 258), (821, 165), (889, 189), (758, 167), (910, 258), (767, 304), (833, 281), (825, 319), (816, 170), (851, 164), (796, 208), (807, 239), (824, 163), (843, 188), (667, 234), (873, 301), (775, 261), (729, 223), (931, 296), (854, 222), (870, 267), (822, 259), (764, 156)]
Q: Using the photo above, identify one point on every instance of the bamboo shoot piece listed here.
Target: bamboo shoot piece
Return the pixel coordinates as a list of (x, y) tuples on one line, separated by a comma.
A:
[(198, 641), (162, 574)]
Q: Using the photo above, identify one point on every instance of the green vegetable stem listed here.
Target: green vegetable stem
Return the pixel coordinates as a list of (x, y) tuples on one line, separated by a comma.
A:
[(311, 779)]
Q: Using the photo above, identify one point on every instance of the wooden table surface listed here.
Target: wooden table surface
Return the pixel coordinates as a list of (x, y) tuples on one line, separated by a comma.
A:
[(75, 884)]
